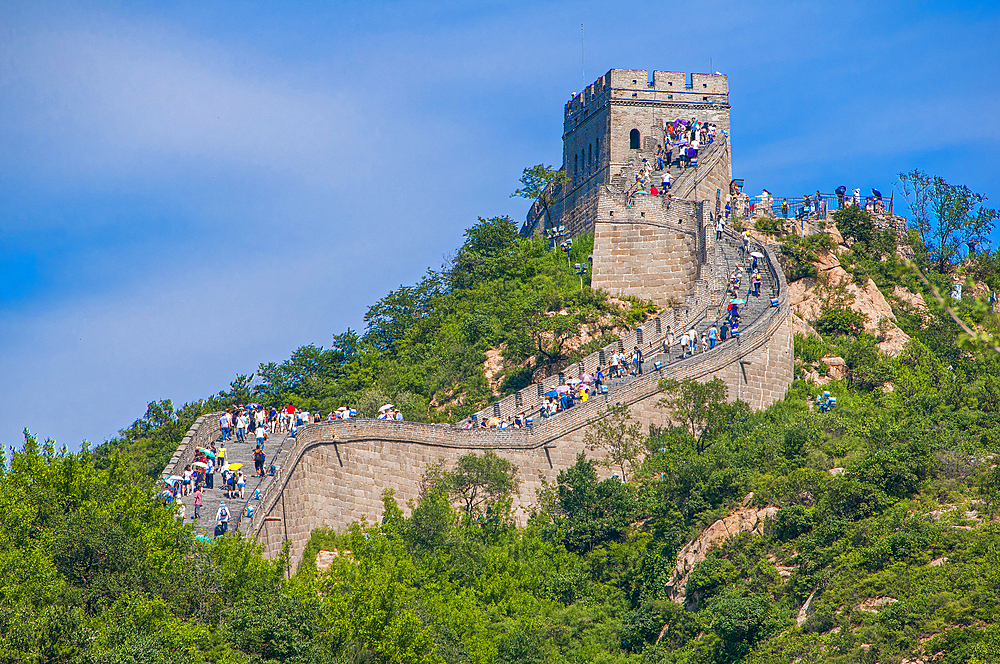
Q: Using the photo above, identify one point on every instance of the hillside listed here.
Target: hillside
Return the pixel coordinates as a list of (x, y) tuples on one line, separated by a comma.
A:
[(863, 534)]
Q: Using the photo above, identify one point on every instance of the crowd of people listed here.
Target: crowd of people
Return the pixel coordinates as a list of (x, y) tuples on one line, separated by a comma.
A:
[(682, 139)]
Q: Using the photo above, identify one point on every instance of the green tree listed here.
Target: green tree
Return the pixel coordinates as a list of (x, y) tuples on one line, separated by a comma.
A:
[(538, 183), (946, 215), (489, 253), (701, 408), (614, 432), (594, 511), (482, 484), (389, 319), (916, 188)]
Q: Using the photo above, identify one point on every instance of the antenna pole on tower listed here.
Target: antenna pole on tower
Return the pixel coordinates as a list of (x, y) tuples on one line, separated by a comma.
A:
[(583, 62)]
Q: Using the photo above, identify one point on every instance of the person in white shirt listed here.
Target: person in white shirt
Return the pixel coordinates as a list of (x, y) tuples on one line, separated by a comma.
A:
[(226, 424), (693, 336), (684, 344), (667, 180), (242, 422)]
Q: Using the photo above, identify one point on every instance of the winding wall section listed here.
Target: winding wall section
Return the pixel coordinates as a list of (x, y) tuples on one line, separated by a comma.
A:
[(335, 472)]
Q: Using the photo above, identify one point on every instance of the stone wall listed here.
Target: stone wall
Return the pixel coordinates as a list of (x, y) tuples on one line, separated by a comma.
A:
[(204, 430), (641, 251), (336, 471)]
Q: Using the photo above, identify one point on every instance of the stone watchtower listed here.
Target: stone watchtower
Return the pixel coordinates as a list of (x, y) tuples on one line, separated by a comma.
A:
[(616, 122)]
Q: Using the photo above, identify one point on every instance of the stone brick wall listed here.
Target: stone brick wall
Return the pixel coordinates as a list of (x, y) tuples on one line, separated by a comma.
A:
[(336, 471), (644, 251), (204, 430), (597, 126)]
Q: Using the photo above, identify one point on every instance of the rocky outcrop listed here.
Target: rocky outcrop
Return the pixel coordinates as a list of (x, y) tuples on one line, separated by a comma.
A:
[(799, 326), (743, 520), (809, 296), (806, 610), (913, 300)]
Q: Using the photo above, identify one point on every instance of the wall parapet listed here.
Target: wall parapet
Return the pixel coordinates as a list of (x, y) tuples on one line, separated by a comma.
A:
[(204, 431)]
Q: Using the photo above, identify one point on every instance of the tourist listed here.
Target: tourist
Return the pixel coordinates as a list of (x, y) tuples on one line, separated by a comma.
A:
[(181, 511), (210, 476), (225, 423), (704, 342), (693, 336), (755, 280), (713, 336), (258, 460), (668, 342), (197, 504), (186, 480), (220, 456), (668, 180), (260, 434), (242, 422), (720, 226), (638, 360), (729, 210), (735, 331), (684, 345), (598, 378), (241, 483), (222, 516)]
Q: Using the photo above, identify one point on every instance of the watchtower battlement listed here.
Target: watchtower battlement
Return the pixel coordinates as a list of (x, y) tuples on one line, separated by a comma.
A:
[(663, 87)]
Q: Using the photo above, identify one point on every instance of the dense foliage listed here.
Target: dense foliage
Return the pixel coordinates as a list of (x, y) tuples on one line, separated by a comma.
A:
[(425, 346), (885, 525)]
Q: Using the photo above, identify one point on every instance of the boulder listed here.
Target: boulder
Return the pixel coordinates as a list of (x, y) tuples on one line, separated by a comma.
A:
[(836, 367), (914, 300)]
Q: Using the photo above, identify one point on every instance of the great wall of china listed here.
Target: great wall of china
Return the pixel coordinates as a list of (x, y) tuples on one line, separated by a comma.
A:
[(334, 473)]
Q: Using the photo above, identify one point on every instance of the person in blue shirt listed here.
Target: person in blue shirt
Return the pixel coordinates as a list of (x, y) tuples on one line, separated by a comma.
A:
[(713, 336)]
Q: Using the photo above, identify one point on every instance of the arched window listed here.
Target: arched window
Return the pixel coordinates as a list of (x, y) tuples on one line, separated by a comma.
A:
[(590, 154), (633, 139)]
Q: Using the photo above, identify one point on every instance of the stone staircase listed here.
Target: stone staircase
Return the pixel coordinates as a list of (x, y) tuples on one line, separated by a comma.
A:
[(685, 179)]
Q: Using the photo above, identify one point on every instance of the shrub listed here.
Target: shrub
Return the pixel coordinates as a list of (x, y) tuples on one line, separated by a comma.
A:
[(792, 521), (840, 321), (770, 226), (809, 349)]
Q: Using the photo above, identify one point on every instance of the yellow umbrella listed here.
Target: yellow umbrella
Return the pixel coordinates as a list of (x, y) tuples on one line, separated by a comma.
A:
[(234, 466)]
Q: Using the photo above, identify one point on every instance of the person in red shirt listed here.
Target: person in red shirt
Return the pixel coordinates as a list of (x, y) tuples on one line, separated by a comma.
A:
[(290, 410)]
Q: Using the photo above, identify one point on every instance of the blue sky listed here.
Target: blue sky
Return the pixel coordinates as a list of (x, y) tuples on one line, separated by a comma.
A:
[(189, 189)]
